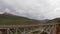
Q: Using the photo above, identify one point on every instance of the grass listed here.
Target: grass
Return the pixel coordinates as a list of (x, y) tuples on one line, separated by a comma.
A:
[(12, 19)]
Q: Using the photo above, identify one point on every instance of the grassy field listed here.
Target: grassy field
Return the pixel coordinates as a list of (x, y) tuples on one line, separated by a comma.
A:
[(12, 19)]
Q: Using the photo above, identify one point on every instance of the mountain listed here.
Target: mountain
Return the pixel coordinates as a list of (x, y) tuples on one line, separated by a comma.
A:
[(8, 18), (44, 21), (56, 20)]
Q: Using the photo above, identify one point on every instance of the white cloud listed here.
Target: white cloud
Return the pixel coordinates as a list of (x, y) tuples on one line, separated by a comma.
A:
[(36, 9)]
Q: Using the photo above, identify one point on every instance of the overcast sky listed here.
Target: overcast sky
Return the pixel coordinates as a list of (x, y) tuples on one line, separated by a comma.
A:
[(34, 9)]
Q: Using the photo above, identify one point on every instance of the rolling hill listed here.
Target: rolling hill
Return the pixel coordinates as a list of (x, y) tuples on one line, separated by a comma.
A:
[(8, 19), (13, 19)]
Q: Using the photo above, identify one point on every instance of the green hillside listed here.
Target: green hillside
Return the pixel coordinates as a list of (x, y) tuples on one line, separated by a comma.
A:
[(57, 20), (12, 19)]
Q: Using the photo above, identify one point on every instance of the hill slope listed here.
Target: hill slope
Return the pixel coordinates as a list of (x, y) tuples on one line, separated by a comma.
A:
[(12, 19)]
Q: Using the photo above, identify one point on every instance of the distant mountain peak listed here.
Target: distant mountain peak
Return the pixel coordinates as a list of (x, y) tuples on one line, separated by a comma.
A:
[(7, 12)]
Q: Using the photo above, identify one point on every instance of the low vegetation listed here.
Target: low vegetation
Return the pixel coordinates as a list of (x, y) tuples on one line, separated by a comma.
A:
[(12, 19)]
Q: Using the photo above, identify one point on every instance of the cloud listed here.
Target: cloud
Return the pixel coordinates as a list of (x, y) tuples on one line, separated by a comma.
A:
[(34, 9)]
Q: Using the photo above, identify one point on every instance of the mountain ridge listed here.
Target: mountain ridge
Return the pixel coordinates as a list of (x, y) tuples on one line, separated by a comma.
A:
[(7, 18)]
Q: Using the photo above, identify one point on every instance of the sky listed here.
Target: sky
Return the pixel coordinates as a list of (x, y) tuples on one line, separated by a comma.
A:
[(34, 9)]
